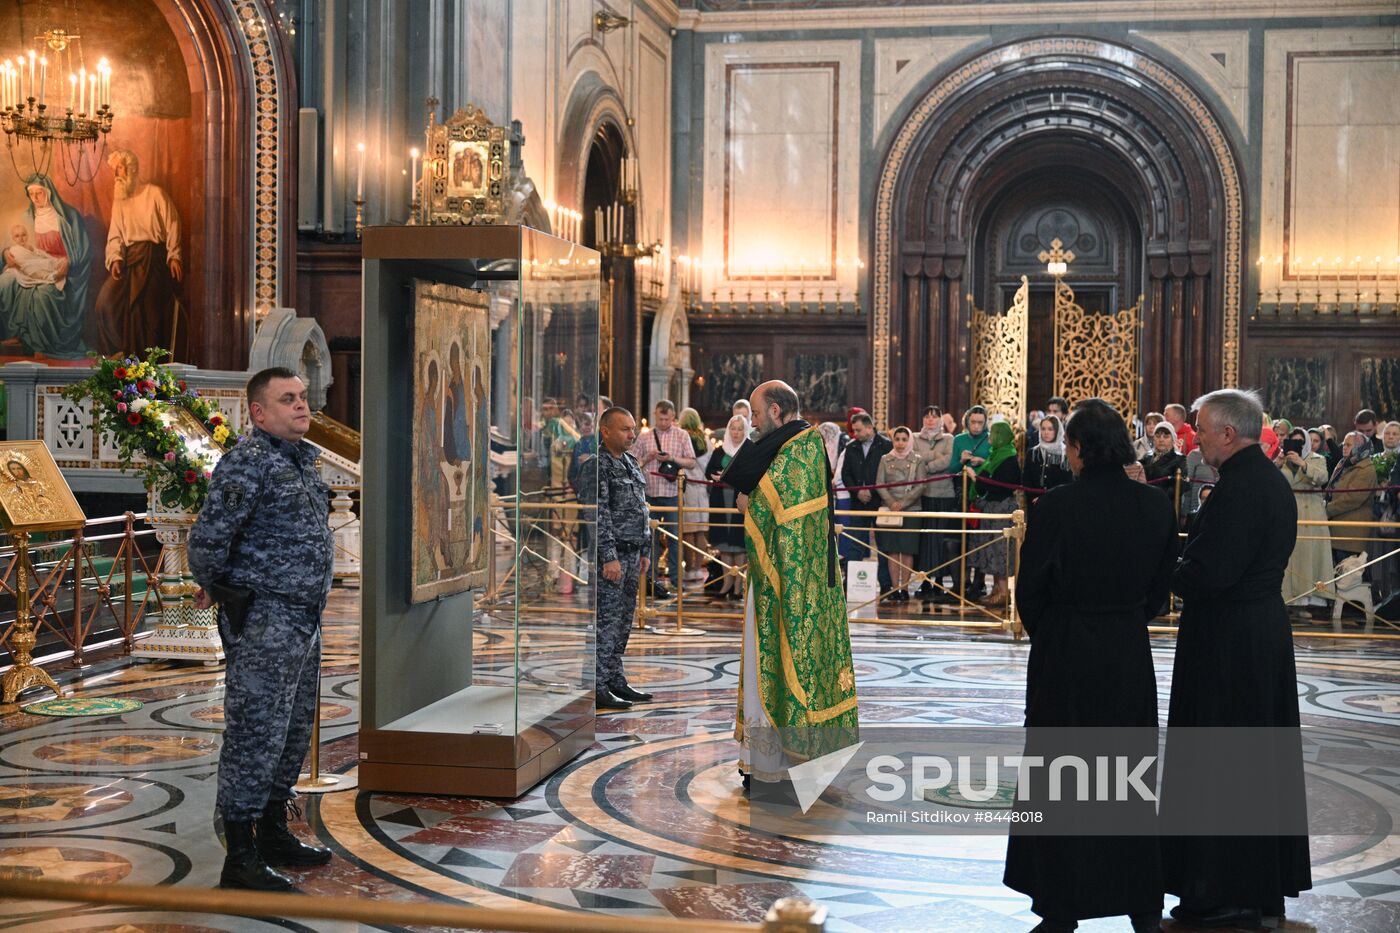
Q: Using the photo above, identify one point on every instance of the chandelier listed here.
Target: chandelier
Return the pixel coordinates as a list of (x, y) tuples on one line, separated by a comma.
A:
[(51, 102)]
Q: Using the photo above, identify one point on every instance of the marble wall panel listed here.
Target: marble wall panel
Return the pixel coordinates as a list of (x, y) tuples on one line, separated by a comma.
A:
[(1380, 386), (730, 376), (821, 381), (1219, 60), (1296, 388), (781, 172), (902, 66), (1330, 186)]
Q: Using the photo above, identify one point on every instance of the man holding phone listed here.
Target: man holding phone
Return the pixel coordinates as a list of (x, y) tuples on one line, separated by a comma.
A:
[(662, 453)]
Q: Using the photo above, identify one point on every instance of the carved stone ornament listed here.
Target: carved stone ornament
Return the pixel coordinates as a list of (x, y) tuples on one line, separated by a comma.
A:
[(299, 344)]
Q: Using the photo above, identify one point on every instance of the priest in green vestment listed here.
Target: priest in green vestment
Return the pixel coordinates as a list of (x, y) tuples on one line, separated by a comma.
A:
[(797, 694)]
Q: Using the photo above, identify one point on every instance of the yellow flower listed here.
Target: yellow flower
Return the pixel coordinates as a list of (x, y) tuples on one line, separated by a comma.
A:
[(221, 434)]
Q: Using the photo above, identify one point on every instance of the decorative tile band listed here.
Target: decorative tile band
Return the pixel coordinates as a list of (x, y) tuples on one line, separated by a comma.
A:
[(254, 27)]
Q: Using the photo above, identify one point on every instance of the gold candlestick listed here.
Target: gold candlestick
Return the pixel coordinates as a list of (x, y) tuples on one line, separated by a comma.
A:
[(24, 674), (359, 217)]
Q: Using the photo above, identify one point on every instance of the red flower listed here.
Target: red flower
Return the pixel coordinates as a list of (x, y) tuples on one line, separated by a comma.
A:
[(146, 385), (183, 387), (191, 476), (117, 395), (133, 419), (119, 372), (216, 420)]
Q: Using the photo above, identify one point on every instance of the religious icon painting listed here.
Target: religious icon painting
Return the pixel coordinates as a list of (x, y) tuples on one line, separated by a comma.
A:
[(450, 446), (466, 163), (34, 496)]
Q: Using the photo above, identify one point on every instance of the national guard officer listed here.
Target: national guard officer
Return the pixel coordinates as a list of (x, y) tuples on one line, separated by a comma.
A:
[(623, 533), (263, 540)]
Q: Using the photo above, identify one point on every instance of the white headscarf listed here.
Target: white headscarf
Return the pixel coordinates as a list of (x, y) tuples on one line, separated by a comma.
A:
[(831, 434), (1052, 453), (1164, 425), (731, 448)]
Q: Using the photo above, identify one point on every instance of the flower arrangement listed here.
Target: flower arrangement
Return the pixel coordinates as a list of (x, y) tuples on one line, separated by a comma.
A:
[(1384, 463), (140, 402)]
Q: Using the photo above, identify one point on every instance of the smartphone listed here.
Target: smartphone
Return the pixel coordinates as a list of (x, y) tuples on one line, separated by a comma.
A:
[(1293, 445)]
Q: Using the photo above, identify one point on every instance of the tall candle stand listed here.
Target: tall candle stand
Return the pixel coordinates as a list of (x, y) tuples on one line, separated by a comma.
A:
[(748, 299)]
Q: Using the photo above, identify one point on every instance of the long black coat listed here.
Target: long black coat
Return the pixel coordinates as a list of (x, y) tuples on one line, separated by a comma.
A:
[(860, 469), (1095, 565), (1234, 668)]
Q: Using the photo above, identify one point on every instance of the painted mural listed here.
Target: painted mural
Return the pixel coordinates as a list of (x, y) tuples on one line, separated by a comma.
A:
[(97, 253)]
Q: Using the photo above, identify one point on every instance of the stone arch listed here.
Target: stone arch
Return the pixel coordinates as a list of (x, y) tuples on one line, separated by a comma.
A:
[(1088, 102)]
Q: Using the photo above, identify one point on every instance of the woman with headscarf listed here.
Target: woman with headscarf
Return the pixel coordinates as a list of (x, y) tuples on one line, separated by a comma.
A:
[(726, 529), (1001, 467), (48, 318), (1349, 495), (934, 446), (850, 425), (1311, 561), (697, 497), (1046, 466), (898, 467), (1164, 463)]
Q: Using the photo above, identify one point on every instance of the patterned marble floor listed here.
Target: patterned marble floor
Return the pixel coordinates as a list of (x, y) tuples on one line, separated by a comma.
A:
[(648, 822)]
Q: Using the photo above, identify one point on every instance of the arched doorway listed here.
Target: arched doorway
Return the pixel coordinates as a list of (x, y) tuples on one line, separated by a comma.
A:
[(1136, 146), (1058, 196)]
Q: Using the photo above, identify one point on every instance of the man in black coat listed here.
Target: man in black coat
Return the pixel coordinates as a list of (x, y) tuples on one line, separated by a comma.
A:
[(1096, 563), (1234, 668), (860, 468)]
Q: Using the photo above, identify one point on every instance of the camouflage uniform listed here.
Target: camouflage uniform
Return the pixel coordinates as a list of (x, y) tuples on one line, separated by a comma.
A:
[(623, 531), (265, 527)]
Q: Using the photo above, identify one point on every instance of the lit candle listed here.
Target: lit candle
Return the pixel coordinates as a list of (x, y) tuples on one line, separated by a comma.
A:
[(43, 78), (72, 91), (360, 173), (413, 177), (82, 90), (105, 70), (92, 90), (31, 72)]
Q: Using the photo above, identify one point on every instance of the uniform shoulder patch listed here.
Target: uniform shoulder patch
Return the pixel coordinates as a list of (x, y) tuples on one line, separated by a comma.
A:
[(233, 497)]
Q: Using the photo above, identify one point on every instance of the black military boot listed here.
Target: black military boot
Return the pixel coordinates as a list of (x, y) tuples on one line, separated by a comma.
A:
[(244, 867), (277, 844)]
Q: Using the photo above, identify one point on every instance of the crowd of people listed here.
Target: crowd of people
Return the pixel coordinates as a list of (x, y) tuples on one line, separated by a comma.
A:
[(982, 462)]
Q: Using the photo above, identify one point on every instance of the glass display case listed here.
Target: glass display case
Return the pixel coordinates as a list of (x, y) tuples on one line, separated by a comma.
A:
[(480, 354)]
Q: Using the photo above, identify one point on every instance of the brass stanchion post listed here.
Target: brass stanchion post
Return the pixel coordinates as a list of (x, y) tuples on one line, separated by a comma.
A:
[(1013, 569), (128, 545), (315, 782), (24, 674), (962, 558), (1176, 502), (678, 550)]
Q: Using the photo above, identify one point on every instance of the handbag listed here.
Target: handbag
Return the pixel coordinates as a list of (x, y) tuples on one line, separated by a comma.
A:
[(973, 523), (884, 518), (668, 468)]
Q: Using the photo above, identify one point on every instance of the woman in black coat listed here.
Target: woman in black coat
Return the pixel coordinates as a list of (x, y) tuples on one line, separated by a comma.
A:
[(1162, 465), (1096, 561), (1046, 467)]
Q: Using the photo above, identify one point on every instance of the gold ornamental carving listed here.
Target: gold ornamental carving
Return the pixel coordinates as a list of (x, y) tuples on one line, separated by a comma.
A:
[(1097, 355), (1000, 345), (466, 167)]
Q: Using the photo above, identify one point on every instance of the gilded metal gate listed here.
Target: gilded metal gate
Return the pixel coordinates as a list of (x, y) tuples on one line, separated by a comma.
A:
[(999, 343), (1097, 355)]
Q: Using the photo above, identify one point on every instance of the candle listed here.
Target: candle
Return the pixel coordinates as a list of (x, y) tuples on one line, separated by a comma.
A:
[(360, 173), (82, 90), (43, 78), (92, 91), (31, 72), (105, 70), (413, 177), (72, 91)]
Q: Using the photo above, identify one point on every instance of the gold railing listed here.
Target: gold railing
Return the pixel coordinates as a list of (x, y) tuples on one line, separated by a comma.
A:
[(678, 614), (71, 595), (788, 915)]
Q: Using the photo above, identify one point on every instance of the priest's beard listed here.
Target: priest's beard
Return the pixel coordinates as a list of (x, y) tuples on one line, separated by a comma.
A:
[(126, 187)]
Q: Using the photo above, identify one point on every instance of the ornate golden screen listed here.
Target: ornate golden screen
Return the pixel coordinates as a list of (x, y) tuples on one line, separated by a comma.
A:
[(1096, 355), (999, 343)]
